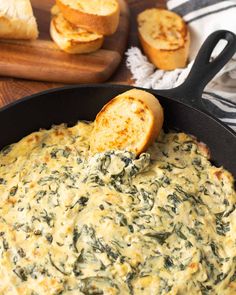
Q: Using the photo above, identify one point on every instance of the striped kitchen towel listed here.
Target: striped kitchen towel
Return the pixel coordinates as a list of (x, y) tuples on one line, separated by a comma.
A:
[(203, 17)]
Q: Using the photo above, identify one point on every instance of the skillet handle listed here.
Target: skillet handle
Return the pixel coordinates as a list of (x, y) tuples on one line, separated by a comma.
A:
[(203, 70)]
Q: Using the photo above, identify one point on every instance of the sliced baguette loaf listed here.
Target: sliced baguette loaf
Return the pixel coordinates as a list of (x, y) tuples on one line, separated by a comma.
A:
[(17, 20), (73, 39), (131, 121), (100, 16), (164, 37)]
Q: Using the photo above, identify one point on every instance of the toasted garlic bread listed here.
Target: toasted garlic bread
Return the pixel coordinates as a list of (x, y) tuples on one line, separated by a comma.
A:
[(164, 37), (17, 20), (100, 16), (131, 121), (73, 39)]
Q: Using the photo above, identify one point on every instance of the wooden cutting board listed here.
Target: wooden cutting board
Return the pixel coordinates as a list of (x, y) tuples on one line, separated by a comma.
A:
[(42, 60)]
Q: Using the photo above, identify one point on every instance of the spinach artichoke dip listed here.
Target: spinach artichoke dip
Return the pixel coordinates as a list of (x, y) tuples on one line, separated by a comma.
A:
[(71, 223)]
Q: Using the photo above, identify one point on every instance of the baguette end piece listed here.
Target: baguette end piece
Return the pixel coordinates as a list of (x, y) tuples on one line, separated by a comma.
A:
[(17, 20)]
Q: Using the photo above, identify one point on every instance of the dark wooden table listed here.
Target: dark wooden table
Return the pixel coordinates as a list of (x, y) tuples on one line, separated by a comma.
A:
[(12, 89)]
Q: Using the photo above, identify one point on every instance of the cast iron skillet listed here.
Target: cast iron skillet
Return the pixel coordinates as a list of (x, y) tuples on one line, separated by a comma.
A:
[(73, 103)]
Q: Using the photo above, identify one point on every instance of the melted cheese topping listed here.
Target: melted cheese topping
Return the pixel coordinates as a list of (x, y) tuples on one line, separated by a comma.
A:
[(111, 224)]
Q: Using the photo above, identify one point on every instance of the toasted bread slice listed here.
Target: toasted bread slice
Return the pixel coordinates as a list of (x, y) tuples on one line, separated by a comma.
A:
[(73, 39), (131, 121), (164, 37), (100, 16), (17, 20)]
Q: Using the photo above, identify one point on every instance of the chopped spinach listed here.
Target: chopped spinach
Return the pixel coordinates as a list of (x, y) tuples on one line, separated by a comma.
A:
[(21, 273), (160, 237)]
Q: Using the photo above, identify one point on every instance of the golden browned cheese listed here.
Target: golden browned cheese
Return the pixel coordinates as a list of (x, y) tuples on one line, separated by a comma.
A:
[(71, 223)]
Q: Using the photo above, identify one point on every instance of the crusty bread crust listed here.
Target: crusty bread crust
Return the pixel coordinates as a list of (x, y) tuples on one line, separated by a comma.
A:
[(72, 39), (167, 59), (17, 20), (131, 121), (101, 24), (174, 54)]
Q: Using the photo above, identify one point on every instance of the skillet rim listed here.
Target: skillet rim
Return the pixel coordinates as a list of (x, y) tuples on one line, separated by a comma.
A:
[(153, 91)]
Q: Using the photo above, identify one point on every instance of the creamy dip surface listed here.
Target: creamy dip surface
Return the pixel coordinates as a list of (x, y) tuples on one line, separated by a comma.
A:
[(71, 223)]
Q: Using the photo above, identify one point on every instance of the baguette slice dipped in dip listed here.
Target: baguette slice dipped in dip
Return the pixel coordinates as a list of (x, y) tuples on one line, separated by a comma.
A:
[(131, 121), (17, 20)]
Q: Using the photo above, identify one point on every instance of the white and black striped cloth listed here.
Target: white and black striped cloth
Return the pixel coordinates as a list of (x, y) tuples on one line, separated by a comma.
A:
[(203, 17)]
